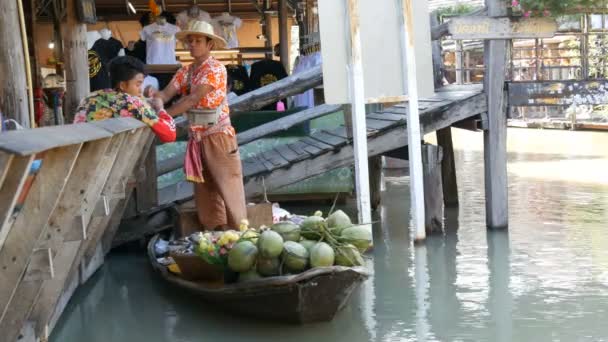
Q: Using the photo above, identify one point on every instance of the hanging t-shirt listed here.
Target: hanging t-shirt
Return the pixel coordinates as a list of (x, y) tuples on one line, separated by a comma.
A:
[(239, 80), (228, 25), (184, 17), (139, 51), (160, 43), (265, 72), (100, 55)]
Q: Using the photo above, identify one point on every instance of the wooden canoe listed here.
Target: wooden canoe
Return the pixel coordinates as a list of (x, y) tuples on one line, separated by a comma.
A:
[(312, 296)]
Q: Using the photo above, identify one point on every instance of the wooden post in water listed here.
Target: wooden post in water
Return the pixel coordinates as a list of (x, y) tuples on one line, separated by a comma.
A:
[(495, 137), (444, 136), (433, 192), (357, 97), (448, 168), (76, 61), (13, 83), (413, 125)]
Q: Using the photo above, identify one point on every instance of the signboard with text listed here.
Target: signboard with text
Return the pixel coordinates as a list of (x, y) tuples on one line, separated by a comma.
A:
[(501, 28)]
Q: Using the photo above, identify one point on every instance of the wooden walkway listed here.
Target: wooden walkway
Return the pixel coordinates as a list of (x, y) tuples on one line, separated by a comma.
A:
[(53, 221), (326, 150)]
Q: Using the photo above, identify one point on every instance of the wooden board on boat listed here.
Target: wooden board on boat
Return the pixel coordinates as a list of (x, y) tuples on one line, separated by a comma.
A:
[(315, 295)]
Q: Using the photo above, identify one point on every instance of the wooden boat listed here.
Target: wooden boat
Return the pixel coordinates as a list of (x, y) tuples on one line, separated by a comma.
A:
[(315, 295)]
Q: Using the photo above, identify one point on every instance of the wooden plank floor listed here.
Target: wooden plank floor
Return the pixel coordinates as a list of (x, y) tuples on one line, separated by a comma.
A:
[(328, 149), (284, 165)]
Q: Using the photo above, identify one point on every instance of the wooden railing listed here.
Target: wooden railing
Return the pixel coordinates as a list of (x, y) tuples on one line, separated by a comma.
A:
[(55, 215)]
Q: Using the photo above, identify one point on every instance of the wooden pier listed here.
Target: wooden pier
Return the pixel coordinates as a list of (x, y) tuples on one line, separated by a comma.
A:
[(53, 219)]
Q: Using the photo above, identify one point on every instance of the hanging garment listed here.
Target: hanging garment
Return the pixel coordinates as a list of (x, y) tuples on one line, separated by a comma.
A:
[(228, 25), (265, 72), (100, 55), (239, 80), (138, 51), (160, 43), (306, 62), (184, 17)]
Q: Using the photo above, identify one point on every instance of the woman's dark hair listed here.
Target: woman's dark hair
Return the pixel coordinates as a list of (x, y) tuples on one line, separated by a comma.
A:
[(125, 68)]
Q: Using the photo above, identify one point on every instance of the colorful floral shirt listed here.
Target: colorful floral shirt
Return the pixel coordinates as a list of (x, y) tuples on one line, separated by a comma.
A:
[(212, 73), (109, 103)]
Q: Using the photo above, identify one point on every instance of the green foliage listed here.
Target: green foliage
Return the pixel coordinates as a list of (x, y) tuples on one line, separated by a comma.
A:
[(459, 9)]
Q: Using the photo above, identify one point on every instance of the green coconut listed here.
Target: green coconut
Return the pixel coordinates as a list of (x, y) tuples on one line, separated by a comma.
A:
[(338, 221), (242, 256), (295, 256), (312, 226), (269, 267), (349, 256), (360, 236), (321, 255), (288, 230), (249, 276), (270, 244), (308, 244)]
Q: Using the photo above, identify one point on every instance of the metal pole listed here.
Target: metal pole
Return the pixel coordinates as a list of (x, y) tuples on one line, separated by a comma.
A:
[(413, 124), (357, 95)]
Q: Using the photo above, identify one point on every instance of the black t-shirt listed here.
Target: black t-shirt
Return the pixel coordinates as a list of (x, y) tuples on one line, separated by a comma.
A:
[(265, 72), (239, 79), (139, 51), (100, 55)]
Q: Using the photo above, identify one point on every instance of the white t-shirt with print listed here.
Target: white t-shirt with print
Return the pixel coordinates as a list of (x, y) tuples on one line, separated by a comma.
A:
[(160, 43)]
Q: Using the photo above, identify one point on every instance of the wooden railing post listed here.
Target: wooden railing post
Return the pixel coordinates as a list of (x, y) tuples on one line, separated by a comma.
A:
[(495, 137)]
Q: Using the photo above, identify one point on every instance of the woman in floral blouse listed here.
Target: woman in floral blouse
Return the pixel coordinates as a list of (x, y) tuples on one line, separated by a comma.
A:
[(212, 162), (125, 100)]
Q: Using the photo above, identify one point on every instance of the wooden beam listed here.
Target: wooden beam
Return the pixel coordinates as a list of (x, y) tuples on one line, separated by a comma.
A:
[(13, 83), (438, 65), (357, 98), (10, 189), (283, 34), (76, 61), (268, 33), (146, 190), (289, 86), (56, 168), (433, 192), (495, 137), (375, 181), (21, 143), (413, 124), (448, 168), (40, 266), (286, 123)]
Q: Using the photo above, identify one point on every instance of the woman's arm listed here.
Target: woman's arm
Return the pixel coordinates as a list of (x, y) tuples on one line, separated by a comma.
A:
[(166, 94), (190, 101)]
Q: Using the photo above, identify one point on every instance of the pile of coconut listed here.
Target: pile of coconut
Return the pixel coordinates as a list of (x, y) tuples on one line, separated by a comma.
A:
[(289, 248)]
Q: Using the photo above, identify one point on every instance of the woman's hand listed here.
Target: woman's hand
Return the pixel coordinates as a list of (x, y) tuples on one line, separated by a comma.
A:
[(150, 91), (157, 104)]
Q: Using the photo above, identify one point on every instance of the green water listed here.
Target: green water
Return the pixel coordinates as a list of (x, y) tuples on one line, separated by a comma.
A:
[(546, 279)]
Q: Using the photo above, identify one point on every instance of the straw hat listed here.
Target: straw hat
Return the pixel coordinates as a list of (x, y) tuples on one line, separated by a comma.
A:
[(201, 28)]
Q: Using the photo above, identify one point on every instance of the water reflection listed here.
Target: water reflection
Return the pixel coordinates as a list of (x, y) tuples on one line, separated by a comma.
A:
[(546, 279)]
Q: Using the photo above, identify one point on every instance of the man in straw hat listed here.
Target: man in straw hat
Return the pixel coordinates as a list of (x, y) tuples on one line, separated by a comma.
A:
[(212, 156)]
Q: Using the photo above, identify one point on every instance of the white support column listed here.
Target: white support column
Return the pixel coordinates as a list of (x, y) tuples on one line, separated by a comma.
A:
[(357, 95), (413, 125)]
